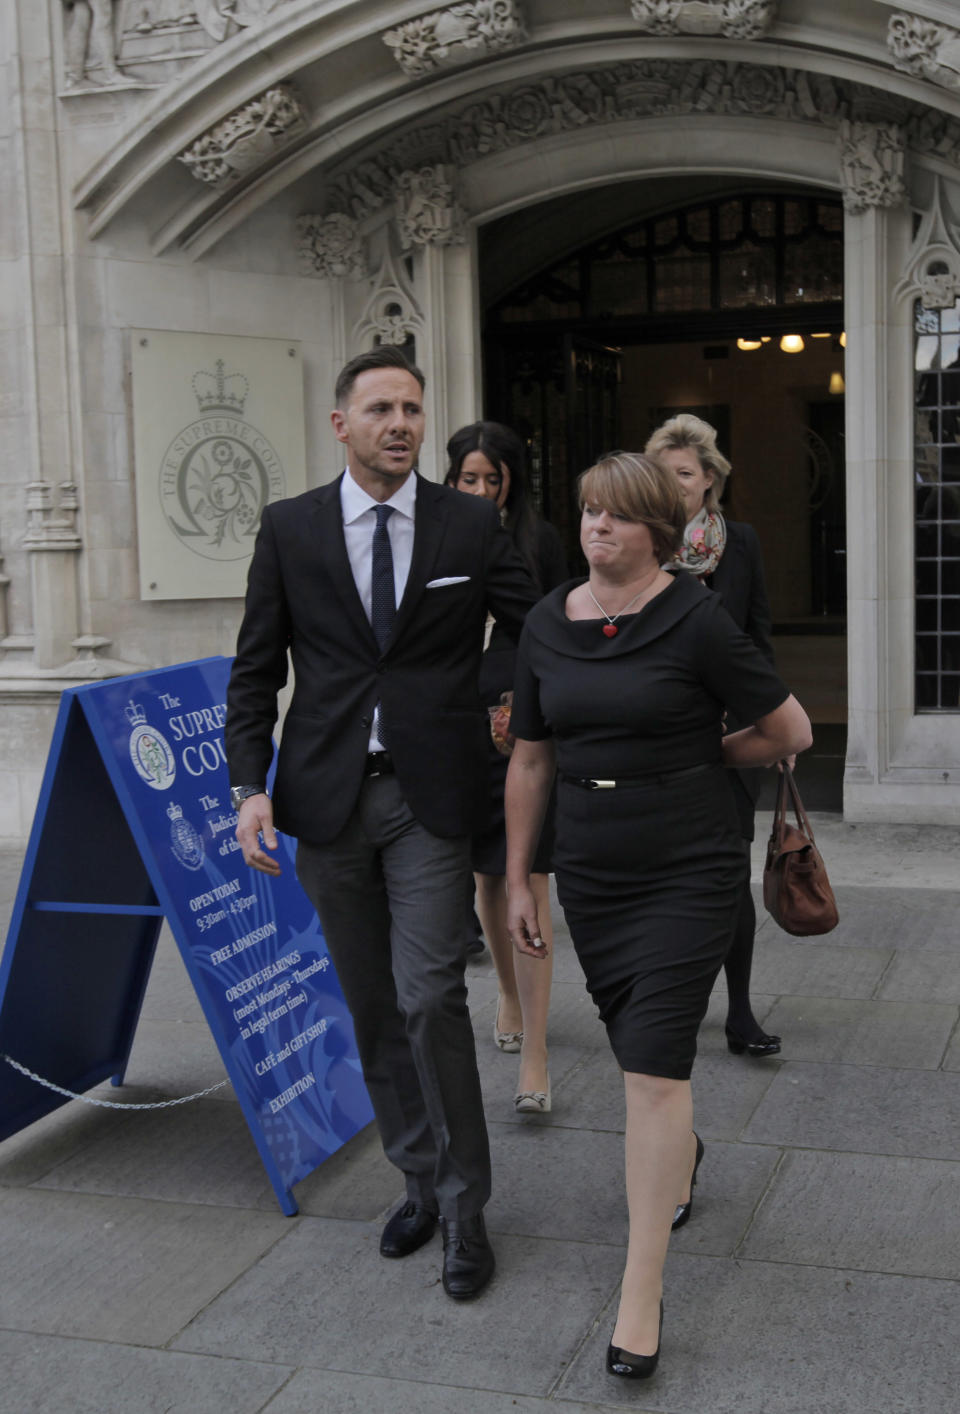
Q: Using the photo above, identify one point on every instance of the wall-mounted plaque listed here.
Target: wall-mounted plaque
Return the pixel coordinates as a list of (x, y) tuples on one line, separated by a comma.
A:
[(218, 433)]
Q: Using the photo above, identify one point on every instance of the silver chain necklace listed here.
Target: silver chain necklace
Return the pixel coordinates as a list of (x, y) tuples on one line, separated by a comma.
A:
[(609, 629)]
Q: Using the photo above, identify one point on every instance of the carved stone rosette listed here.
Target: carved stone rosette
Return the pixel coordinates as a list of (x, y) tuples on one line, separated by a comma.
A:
[(481, 127), (247, 137), (331, 246), (929, 50), (455, 35), (932, 269), (427, 210), (871, 165), (733, 19)]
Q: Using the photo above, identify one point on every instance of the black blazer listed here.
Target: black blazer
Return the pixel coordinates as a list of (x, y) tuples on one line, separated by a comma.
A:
[(301, 596), (739, 581)]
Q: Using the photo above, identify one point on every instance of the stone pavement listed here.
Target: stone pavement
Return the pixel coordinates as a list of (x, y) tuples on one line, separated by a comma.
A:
[(146, 1266)]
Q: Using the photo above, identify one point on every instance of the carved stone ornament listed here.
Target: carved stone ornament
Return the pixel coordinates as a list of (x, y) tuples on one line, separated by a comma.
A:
[(248, 137), (391, 315), (871, 165), (455, 35), (479, 128), (734, 19), (331, 246), (90, 45), (932, 269), (427, 211), (926, 49)]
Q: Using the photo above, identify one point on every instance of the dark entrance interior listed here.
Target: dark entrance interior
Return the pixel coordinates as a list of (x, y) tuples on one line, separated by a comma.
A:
[(607, 312)]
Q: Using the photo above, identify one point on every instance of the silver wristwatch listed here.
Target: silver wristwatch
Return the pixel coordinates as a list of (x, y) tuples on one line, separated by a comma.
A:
[(238, 794)]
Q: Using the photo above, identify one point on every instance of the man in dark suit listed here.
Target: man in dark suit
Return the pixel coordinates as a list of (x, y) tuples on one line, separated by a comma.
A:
[(379, 585)]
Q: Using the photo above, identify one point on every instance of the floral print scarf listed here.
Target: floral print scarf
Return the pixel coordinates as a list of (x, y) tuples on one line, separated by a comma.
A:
[(703, 542)]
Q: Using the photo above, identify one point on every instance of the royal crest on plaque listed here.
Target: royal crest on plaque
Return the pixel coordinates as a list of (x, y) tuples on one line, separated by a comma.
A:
[(219, 472), (218, 435)]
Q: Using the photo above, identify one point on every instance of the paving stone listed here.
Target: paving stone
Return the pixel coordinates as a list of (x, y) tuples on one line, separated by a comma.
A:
[(951, 1060), (120, 1269), (38, 1370), (357, 1182), (863, 1109), (32, 1152), (898, 918), (176, 1058), (767, 1338), (809, 967), (589, 1203), (309, 1302), (198, 1153), (312, 1390), (903, 1034), (911, 919), (923, 976), (861, 1210)]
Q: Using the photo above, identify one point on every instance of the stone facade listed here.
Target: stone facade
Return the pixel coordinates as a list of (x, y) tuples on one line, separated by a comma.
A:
[(218, 166)]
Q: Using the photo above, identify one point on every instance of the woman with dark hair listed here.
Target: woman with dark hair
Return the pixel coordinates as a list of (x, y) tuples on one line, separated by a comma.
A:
[(621, 683), (725, 556), (487, 459)]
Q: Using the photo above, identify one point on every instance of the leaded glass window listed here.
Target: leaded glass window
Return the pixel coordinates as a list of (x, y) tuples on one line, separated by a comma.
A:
[(937, 508), (741, 253)]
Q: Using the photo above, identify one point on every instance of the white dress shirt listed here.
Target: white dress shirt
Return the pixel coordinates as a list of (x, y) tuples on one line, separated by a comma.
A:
[(359, 521)]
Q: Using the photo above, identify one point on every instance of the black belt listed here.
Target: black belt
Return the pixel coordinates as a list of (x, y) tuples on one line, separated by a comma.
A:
[(647, 778), (378, 763)]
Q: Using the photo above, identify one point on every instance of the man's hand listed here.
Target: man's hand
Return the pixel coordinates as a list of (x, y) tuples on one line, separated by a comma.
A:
[(255, 818)]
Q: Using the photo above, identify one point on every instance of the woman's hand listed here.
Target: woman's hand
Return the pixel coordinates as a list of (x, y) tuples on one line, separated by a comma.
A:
[(523, 922)]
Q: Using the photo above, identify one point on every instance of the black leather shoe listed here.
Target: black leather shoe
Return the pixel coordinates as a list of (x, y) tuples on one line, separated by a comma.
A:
[(407, 1229), (761, 1045), (634, 1367), (684, 1210), (468, 1259)]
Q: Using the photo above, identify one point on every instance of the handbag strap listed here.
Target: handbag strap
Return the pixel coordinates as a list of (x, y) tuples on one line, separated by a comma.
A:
[(780, 807), (787, 783)]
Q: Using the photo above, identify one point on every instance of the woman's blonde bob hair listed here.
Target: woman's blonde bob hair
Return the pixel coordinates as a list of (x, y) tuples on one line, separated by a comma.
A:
[(684, 431), (634, 485)]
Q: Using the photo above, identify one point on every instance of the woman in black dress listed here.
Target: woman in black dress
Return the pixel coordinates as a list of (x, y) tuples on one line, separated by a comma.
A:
[(724, 555), (487, 459), (622, 681)]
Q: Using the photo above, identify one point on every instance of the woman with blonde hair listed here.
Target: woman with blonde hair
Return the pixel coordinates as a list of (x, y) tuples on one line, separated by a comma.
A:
[(620, 685), (725, 556)]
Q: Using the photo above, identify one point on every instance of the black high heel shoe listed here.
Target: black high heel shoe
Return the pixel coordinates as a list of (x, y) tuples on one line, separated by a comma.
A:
[(763, 1045), (684, 1210), (634, 1367)]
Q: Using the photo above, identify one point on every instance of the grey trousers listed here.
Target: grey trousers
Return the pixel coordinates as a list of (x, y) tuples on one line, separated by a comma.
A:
[(391, 899)]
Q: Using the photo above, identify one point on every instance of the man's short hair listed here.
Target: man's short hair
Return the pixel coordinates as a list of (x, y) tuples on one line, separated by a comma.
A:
[(386, 356)]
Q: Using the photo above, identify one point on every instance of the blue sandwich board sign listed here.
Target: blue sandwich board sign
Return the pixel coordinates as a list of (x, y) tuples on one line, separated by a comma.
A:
[(133, 825)]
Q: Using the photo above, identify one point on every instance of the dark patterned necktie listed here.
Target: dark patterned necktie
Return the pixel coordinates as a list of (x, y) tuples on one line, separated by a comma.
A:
[(383, 603)]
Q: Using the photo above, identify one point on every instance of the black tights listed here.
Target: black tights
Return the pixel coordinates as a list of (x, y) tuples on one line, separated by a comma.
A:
[(739, 960)]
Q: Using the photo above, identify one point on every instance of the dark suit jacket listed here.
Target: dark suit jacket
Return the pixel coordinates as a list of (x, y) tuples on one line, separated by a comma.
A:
[(301, 596), (739, 581)]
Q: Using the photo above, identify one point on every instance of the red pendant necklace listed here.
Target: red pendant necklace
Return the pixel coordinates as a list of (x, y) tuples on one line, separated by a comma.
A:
[(609, 629)]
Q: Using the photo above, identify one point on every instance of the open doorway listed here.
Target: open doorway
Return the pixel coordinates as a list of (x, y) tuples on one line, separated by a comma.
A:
[(729, 306)]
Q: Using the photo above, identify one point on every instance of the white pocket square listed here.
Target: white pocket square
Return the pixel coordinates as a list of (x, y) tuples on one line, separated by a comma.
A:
[(450, 579)]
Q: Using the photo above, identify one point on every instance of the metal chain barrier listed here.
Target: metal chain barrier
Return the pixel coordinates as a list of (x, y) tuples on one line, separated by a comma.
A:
[(109, 1104)]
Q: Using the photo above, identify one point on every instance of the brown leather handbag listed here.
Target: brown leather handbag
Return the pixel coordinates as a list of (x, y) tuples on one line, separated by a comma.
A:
[(796, 890)]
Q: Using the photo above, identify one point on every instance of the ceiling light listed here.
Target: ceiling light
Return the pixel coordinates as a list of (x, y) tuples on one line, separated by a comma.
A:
[(748, 344), (837, 384), (843, 339), (819, 336), (792, 343)]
